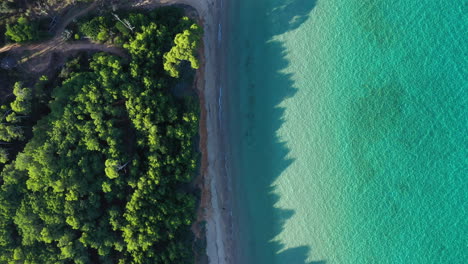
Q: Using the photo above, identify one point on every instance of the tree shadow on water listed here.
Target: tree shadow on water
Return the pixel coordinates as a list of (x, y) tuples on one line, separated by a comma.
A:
[(259, 86)]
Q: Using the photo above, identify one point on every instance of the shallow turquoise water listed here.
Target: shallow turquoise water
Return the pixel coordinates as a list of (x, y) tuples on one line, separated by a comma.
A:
[(348, 126)]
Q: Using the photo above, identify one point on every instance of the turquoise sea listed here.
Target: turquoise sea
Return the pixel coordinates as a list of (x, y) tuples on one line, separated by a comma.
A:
[(348, 128)]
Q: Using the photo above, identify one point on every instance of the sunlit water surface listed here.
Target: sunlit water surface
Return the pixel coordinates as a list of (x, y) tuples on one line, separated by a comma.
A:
[(348, 130)]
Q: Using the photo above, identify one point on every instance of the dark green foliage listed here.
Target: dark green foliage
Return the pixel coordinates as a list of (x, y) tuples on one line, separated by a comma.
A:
[(7, 6), (122, 29), (22, 31), (2, 35), (103, 178), (3, 155), (119, 28), (138, 20), (40, 90), (97, 28)]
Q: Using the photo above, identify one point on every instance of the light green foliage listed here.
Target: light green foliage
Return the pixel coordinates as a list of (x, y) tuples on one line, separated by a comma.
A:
[(10, 127), (185, 49), (101, 180), (102, 36), (22, 103), (111, 169), (10, 133), (13, 120), (147, 45), (21, 31), (97, 28)]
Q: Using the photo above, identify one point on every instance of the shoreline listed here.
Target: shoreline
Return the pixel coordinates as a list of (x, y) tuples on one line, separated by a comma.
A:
[(215, 210), (218, 211)]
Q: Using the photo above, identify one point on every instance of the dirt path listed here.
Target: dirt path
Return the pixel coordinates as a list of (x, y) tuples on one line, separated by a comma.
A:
[(58, 32), (41, 58), (67, 20), (63, 47), (39, 55)]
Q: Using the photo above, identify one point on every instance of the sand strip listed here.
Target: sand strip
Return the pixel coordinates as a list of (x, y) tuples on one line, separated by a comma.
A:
[(217, 211)]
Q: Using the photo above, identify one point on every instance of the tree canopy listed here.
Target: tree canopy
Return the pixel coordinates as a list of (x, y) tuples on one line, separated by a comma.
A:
[(103, 179), (22, 31), (185, 48)]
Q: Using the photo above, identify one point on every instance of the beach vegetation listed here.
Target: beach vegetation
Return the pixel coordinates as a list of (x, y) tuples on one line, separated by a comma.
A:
[(185, 48)]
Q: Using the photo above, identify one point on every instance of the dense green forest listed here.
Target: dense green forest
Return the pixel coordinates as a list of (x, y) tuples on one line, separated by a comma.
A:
[(31, 20), (97, 169)]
